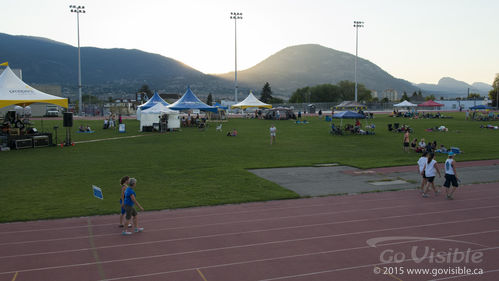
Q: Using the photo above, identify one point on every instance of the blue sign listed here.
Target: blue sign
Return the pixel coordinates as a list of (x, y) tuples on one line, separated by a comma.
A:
[(97, 192)]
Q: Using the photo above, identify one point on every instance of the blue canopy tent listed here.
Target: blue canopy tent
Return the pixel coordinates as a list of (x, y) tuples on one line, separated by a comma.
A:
[(155, 99), (481, 107), (348, 115), (190, 101)]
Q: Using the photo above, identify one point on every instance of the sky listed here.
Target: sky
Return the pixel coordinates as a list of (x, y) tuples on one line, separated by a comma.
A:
[(419, 41)]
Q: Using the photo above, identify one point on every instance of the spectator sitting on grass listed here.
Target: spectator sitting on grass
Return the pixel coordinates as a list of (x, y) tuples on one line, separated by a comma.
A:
[(233, 133), (442, 149), (81, 128), (414, 144)]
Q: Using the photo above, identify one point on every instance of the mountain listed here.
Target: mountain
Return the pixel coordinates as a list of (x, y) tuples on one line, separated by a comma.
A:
[(308, 65), (44, 61), (450, 87)]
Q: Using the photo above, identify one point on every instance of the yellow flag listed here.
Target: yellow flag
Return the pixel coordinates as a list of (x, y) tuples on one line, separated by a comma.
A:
[(4, 64)]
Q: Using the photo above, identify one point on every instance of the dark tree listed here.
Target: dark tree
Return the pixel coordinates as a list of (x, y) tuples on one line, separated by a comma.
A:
[(266, 95), (494, 93), (145, 89), (209, 99), (404, 96)]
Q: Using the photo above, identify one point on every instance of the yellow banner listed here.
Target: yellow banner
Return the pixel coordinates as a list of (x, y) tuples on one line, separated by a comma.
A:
[(5, 63)]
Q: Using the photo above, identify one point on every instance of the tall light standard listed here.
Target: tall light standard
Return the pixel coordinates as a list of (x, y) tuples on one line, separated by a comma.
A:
[(78, 10), (235, 17), (356, 24)]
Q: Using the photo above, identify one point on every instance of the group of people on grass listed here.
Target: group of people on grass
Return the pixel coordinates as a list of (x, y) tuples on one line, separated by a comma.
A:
[(190, 121), (422, 146), (128, 201), (480, 116), (111, 121), (84, 129), (428, 169)]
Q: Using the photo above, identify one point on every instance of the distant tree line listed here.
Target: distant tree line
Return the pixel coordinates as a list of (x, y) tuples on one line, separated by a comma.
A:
[(344, 90)]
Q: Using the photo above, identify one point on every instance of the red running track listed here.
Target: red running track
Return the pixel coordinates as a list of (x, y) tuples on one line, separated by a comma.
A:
[(329, 238)]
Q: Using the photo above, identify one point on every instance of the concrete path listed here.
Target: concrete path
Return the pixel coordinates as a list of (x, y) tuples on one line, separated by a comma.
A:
[(319, 181)]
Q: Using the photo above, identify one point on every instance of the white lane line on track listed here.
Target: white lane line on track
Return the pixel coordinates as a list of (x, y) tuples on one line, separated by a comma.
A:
[(247, 232), (346, 268), (253, 245), (245, 221), (263, 260)]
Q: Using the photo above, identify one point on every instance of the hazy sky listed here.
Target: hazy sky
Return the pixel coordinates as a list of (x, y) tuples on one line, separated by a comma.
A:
[(420, 41)]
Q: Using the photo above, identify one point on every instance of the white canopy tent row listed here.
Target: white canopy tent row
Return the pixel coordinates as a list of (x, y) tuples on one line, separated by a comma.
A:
[(153, 115)]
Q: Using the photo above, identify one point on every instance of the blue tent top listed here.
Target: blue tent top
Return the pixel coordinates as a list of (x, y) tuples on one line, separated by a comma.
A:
[(217, 105), (190, 101), (153, 101), (481, 106), (348, 114)]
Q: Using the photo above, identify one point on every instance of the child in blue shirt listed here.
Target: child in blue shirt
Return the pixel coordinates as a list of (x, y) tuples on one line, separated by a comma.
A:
[(129, 202)]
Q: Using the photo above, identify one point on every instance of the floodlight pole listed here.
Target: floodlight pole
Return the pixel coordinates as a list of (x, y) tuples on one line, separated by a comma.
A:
[(356, 24), (235, 17), (78, 10)]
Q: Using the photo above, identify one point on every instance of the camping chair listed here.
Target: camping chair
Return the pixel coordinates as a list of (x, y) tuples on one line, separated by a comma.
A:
[(219, 128)]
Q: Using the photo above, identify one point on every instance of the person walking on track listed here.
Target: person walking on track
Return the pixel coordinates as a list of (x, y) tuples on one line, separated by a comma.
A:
[(429, 172), (130, 201), (450, 176)]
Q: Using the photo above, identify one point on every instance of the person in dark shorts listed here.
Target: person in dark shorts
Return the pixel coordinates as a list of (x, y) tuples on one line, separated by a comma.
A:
[(124, 185), (450, 175), (429, 171), (406, 141), (129, 202)]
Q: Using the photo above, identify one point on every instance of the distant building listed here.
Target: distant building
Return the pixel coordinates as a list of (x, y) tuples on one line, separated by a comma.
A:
[(465, 104), (390, 94)]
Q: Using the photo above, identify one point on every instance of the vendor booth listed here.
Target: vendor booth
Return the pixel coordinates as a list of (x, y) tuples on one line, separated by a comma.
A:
[(15, 131), (155, 99), (159, 118)]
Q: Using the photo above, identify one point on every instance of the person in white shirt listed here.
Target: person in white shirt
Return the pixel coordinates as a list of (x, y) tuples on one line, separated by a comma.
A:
[(273, 131), (429, 171), (421, 163), (422, 145), (450, 175)]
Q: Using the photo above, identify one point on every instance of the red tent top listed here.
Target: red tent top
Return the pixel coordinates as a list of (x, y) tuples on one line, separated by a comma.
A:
[(430, 103)]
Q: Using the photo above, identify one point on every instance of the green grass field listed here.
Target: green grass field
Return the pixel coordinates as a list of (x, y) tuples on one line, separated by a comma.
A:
[(197, 168)]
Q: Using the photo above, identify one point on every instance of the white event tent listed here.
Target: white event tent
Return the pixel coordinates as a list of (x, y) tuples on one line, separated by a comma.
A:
[(152, 115), (13, 91), (251, 101), (405, 103)]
